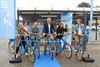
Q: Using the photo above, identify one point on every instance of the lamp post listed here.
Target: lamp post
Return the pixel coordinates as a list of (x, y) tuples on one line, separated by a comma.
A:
[(88, 58), (91, 17), (84, 17)]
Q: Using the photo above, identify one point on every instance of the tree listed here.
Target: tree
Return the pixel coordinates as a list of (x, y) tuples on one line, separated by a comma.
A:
[(83, 4)]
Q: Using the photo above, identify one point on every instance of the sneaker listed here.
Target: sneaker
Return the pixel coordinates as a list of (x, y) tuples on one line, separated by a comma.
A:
[(44, 52), (17, 55), (74, 51), (26, 54)]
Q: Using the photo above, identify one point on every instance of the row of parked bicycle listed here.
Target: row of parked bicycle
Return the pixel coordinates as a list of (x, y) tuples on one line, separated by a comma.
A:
[(51, 44)]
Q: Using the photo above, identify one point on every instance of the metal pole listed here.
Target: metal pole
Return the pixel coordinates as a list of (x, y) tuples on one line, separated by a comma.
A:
[(18, 15), (96, 29), (91, 16), (84, 15)]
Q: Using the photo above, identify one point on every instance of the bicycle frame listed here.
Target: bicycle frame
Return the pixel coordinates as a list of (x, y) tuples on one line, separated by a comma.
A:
[(61, 47)]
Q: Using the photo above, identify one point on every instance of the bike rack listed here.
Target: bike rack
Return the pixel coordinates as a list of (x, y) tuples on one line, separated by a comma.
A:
[(88, 59), (16, 60)]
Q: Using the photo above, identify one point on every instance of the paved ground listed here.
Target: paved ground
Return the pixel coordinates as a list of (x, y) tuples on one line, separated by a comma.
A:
[(94, 50)]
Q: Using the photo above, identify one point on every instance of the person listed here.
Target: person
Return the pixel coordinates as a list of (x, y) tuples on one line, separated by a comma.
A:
[(59, 34), (80, 30), (25, 38), (48, 29), (66, 28), (35, 39), (20, 29), (35, 32), (30, 25)]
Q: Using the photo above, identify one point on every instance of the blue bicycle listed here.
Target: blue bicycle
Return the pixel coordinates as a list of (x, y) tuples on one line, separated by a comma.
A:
[(50, 42), (62, 45), (34, 47), (22, 49), (12, 46), (78, 46)]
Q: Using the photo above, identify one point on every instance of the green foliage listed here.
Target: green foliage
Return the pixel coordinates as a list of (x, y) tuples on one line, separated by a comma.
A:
[(84, 4)]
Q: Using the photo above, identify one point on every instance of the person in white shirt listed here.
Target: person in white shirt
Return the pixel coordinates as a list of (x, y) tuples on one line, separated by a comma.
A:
[(48, 29), (81, 31)]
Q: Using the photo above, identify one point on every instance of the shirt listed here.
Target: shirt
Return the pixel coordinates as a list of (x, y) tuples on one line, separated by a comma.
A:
[(79, 31), (30, 27), (49, 32)]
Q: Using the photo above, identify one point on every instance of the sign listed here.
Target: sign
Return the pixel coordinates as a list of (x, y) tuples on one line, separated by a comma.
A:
[(66, 19), (7, 19)]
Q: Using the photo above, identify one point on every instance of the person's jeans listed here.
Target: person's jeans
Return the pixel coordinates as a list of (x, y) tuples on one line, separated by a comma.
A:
[(35, 42)]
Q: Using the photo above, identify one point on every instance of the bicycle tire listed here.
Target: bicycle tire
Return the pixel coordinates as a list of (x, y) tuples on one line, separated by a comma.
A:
[(79, 53), (31, 54), (52, 52), (32, 57), (11, 47), (59, 50), (68, 50), (51, 55), (38, 50)]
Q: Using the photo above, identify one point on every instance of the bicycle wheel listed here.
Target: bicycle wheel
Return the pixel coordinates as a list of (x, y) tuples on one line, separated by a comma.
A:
[(32, 57), (68, 50), (31, 54), (59, 49), (52, 52), (79, 53), (51, 55), (12, 47), (38, 52)]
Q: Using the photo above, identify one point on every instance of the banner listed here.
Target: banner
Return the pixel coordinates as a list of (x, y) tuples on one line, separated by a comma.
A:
[(66, 19), (7, 18)]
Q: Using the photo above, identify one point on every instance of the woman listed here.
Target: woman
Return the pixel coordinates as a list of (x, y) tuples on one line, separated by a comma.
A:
[(35, 31), (25, 38), (19, 36), (59, 34), (20, 32)]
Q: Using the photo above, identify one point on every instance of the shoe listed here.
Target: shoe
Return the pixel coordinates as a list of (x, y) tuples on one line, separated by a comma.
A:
[(75, 51), (26, 54), (17, 55), (44, 52)]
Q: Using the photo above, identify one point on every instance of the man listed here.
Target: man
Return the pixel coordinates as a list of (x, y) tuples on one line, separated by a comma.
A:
[(80, 30), (48, 29)]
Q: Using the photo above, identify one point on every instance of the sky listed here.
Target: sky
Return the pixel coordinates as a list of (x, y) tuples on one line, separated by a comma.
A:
[(48, 4)]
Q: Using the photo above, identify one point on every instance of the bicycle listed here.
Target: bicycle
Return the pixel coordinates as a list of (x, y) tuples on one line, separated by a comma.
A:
[(22, 49), (64, 47), (51, 45), (77, 47), (34, 44), (12, 46)]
